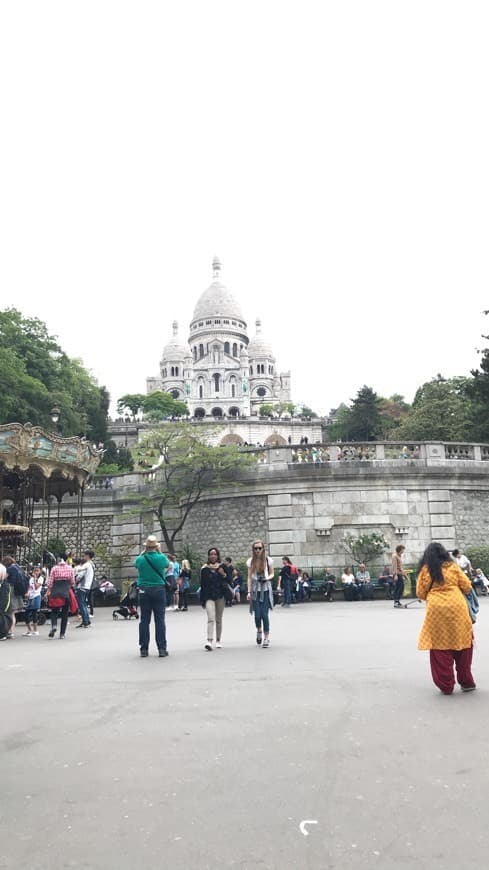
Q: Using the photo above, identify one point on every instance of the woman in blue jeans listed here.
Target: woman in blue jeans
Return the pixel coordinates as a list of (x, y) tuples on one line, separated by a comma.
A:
[(260, 590), (151, 566)]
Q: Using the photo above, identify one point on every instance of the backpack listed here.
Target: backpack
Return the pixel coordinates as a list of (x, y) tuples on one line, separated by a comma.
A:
[(21, 582)]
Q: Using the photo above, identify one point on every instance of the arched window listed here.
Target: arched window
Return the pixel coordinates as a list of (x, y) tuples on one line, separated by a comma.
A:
[(176, 371), (233, 391), (172, 371), (217, 382), (201, 391), (201, 351), (227, 347), (251, 370), (199, 413), (235, 349), (194, 350)]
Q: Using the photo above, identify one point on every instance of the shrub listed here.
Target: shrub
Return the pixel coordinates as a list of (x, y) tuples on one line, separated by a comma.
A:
[(479, 556)]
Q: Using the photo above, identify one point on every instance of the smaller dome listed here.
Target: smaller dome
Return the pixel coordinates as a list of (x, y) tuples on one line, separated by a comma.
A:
[(174, 350), (258, 345)]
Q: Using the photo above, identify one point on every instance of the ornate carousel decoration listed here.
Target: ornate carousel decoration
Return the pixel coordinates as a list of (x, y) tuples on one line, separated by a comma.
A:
[(39, 467)]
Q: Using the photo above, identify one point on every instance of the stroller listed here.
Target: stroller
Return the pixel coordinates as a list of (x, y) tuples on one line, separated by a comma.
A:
[(129, 604)]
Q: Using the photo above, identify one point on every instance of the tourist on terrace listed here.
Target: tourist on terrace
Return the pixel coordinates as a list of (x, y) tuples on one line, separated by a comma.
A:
[(387, 581), (260, 590), (398, 574), (329, 581), (33, 605), (151, 566), (285, 581), (463, 562), (362, 578), (184, 584), (213, 579), (447, 627), (61, 579), (480, 581)]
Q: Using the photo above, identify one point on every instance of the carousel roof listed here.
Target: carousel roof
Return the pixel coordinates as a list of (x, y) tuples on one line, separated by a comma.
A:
[(46, 463)]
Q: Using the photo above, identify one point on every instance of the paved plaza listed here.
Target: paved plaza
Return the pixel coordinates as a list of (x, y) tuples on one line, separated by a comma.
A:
[(213, 760)]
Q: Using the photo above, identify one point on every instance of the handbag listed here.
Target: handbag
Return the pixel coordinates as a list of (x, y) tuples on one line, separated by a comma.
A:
[(73, 604), (228, 593), (54, 603)]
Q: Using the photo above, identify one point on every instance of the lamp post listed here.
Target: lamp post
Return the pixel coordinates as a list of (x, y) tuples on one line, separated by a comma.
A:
[(55, 415)]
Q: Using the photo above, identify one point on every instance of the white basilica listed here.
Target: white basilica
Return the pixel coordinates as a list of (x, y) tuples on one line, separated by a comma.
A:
[(220, 372)]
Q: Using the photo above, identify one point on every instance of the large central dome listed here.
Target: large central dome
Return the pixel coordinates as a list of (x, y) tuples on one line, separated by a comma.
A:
[(217, 300)]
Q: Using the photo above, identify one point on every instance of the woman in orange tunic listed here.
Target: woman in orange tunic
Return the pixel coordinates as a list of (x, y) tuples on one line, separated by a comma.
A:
[(447, 627)]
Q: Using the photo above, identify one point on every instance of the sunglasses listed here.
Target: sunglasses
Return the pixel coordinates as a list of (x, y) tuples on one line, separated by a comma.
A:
[(258, 548)]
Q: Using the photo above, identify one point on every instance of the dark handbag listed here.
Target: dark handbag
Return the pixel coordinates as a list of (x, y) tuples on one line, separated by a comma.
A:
[(228, 593)]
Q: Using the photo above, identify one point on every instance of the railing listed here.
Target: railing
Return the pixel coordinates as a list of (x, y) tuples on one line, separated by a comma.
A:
[(426, 452)]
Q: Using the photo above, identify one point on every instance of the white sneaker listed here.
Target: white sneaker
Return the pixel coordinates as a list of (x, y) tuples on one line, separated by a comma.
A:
[(218, 645), (266, 642), (27, 634), (208, 646), (35, 633)]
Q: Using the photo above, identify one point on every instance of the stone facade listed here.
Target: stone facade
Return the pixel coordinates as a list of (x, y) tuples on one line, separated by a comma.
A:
[(302, 510)]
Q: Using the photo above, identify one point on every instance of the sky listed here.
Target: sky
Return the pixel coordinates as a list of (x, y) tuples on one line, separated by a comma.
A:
[(334, 155)]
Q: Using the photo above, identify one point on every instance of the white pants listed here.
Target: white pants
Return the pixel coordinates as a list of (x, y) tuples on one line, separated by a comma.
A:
[(214, 610)]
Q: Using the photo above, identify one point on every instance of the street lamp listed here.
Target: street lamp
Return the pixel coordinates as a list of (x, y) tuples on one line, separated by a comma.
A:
[(55, 415)]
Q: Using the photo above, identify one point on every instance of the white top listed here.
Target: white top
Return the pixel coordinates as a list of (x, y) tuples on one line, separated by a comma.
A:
[(347, 579), (269, 563), (84, 575), (35, 587)]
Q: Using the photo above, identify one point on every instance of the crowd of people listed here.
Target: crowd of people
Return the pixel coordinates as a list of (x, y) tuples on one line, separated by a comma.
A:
[(65, 587), (446, 581)]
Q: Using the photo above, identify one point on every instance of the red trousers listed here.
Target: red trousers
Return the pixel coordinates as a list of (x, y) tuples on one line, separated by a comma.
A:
[(442, 661)]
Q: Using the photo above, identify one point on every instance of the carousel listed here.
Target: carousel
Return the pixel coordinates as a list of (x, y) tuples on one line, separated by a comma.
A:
[(37, 468)]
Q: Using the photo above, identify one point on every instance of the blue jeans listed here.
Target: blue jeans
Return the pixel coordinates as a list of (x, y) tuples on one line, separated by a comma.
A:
[(32, 610), (399, 588), (82, 596), (152, 600), (261, 609)]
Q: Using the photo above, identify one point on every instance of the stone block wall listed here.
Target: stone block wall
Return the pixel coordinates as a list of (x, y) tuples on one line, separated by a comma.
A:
[(471, 513), (95, 530), (231, 524)]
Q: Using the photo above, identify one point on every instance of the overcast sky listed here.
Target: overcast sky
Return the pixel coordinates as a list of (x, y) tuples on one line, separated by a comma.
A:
[(334, 155)]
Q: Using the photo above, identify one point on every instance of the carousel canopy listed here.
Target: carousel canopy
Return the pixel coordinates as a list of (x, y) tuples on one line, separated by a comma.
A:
[(42, 463)]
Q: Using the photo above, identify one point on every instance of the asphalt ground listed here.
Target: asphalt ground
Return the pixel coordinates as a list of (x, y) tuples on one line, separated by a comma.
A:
[(213, 760)]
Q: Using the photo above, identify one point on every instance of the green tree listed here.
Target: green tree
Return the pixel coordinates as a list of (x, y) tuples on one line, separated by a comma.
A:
[(266, 410), (305, 411), (132, 401), (190, 467), (365, 548), (478, 394), (120, 457), (339, 429), (365, 423), (159, 405), (392, 412), (441, 411), (37, 376)]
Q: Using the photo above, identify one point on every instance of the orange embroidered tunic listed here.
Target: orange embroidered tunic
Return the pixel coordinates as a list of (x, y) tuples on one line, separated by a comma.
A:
[(447, 624)]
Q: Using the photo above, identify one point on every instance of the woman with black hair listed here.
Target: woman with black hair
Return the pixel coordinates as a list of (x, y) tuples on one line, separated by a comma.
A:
[(447, 627), (213, 579)]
